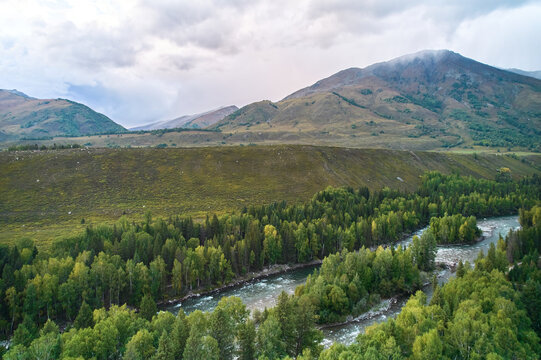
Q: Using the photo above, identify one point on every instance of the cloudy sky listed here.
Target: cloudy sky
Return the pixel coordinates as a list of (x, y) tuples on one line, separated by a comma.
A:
[(139, 61)]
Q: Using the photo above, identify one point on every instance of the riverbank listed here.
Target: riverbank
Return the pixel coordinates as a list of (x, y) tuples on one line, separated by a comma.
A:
[(274, 270), (367, 315), (251, 277), (476, 241)]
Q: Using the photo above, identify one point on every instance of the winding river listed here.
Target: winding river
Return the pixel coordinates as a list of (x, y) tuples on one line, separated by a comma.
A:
[(263, 293)]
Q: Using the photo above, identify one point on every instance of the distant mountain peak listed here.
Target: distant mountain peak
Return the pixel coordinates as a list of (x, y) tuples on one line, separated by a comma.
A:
[(18, 93), (352, 75), (425, 63), (424, 55), (22, 116), (194, 121), (437, 96), (534, 74)]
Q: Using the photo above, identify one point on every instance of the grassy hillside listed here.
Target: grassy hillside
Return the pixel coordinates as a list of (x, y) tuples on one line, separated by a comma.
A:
[(25, 117), (47, 194)]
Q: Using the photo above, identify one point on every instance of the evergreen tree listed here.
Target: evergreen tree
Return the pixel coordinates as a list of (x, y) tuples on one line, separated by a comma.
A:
[(222, 329), (140, 346), (269, 341), (148, 307), (17, 352), (25, 333), (21, 336), (246, 337), (179, 334), (84, 317), (460, 270), (165, 348)]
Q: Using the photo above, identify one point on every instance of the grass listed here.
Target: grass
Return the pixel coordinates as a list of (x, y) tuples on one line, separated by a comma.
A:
[(45, 194)]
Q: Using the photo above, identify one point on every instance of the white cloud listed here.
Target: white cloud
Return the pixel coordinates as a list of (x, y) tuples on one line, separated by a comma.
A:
[(145, 60), (503, 38)]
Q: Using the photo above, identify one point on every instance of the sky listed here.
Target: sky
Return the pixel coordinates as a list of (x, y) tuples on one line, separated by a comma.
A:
[(140, 61)]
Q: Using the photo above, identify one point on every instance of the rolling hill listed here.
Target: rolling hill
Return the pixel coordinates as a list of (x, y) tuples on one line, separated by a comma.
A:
[(22, 116), (45, 194), (428, 99), (196, 121)]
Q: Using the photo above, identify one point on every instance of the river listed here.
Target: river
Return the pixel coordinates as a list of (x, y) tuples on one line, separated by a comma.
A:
[(491, 228), (263, 293), (257, 295)]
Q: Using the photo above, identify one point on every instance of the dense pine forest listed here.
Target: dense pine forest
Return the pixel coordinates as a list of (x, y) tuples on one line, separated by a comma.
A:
[(101, 287)]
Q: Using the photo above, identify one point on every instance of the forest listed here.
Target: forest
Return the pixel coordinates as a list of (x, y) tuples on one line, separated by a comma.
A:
[(102, 286), (484, 313)]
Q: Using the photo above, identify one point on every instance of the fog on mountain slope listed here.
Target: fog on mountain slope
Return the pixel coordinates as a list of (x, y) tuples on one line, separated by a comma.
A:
[(196, 121), (428, 96), (534, 74)]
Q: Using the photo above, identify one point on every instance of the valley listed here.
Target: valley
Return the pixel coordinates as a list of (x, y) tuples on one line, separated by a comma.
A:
[(264, 293), (385, 212), (345, 227)]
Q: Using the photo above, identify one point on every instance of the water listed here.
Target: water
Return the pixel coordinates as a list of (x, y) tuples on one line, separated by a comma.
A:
[(263, 293), (491, 228), (257, 295)]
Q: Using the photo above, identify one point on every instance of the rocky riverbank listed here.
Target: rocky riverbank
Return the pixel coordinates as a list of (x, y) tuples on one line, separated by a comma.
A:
[(246, 279)]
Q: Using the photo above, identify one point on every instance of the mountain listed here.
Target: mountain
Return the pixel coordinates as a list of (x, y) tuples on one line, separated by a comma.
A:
[(197, 121), (429, 99), (22, 116), (534, 74)]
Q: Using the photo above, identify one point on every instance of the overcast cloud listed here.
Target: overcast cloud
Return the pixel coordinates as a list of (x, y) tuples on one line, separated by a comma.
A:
[(140, 61)]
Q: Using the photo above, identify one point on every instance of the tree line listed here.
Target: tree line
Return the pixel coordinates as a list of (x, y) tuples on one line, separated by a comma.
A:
[(43, 147), (226, 332)]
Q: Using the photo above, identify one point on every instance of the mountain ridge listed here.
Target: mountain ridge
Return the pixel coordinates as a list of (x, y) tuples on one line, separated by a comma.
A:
[(417, 97), (194, 121), (354, 74), (534, 74), (22, 116)]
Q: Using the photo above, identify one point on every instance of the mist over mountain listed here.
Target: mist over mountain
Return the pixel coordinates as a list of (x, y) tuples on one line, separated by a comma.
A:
[(534, 74), (196, 121), (430, 96)]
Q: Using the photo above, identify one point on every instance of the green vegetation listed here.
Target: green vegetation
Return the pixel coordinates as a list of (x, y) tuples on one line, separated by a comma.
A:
[(485, 132), (38, 190), (351, 282), (134, 262), (479, 315), (129, 262), (454, 229), (349, 101), (523, 248), (43, 147)]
